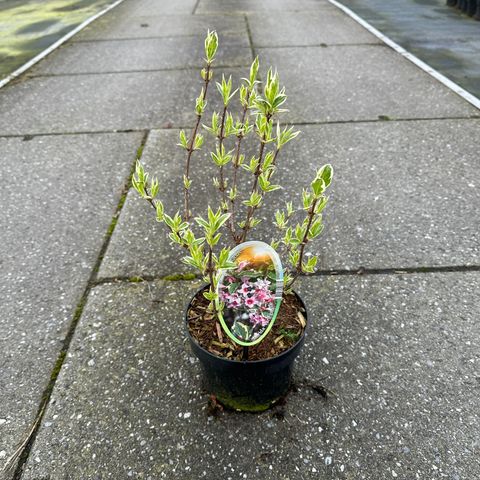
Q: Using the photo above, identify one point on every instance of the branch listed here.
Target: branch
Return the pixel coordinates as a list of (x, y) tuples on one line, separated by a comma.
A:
[(191, 147), (298, 267), (258, 171), (235, 169), (221, 138)]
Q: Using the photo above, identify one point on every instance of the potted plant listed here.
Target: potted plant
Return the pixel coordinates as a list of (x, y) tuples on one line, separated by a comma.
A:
[(246, 325)]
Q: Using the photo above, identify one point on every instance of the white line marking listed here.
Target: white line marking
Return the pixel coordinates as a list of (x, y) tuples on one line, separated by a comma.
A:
[(409, 56), (55, 45)]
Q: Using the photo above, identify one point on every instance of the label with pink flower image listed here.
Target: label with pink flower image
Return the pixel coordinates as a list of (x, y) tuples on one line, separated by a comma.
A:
[(250, 294)]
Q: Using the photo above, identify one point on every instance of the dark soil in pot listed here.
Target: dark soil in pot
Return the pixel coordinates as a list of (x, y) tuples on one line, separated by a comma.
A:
[(257, 383), (287, 330)]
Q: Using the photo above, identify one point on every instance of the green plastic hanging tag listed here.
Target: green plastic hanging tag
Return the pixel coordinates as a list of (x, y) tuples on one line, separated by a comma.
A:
[(250, 294)]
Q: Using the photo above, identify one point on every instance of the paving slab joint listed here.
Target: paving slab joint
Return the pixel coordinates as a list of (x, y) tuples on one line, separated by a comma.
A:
[(387, 118), (250, 38), (186, 68), (197, 3), (397, 270), (192, 276), (30, 136), (324, 45), (172, 277)]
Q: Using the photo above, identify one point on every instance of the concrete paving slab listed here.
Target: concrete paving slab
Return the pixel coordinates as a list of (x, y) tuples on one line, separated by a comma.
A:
[(58, 196), (279, 29), (230, 7), (393, 203), (117, 26), (341, 83), (144, 55), (387, 387), (99, 102)]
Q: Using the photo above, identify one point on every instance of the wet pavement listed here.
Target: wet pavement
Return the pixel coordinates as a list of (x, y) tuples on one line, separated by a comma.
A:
[(29, 27), (441, 36)]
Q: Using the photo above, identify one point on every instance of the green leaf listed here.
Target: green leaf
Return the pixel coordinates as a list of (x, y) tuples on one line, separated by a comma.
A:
[(203, 223), (294, 256), (160, 211), (321, 204), (169, 220), (254, 71), (315, 229), (198, 141), (200, 103), (210, 295), (307, 200), (289, 206), (326, 174), (254, 200), (154, 188), (221, 157), (225, 89), (211, 45), (232, 193), (280, 219), (175, 237), (183, 140), (222, 219), (285, 136), (252, 166), (309, 266), (318, 186)]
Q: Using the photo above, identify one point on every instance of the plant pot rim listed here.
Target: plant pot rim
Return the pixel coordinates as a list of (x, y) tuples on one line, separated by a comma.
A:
[(237, 362)]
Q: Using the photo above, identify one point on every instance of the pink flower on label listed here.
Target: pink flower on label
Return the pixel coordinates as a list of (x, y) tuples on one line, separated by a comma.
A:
[(234, 301), (223, 295), (262, 296), (250, 302), (245, 288)]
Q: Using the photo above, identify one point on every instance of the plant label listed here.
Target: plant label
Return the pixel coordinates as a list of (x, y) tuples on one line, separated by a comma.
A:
[(250, 292)]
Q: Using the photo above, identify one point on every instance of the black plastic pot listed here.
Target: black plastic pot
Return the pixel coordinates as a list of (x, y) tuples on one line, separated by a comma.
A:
[(251, 386)]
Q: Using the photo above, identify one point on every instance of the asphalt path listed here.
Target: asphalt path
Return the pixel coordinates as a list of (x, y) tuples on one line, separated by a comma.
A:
[(441, 36)]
